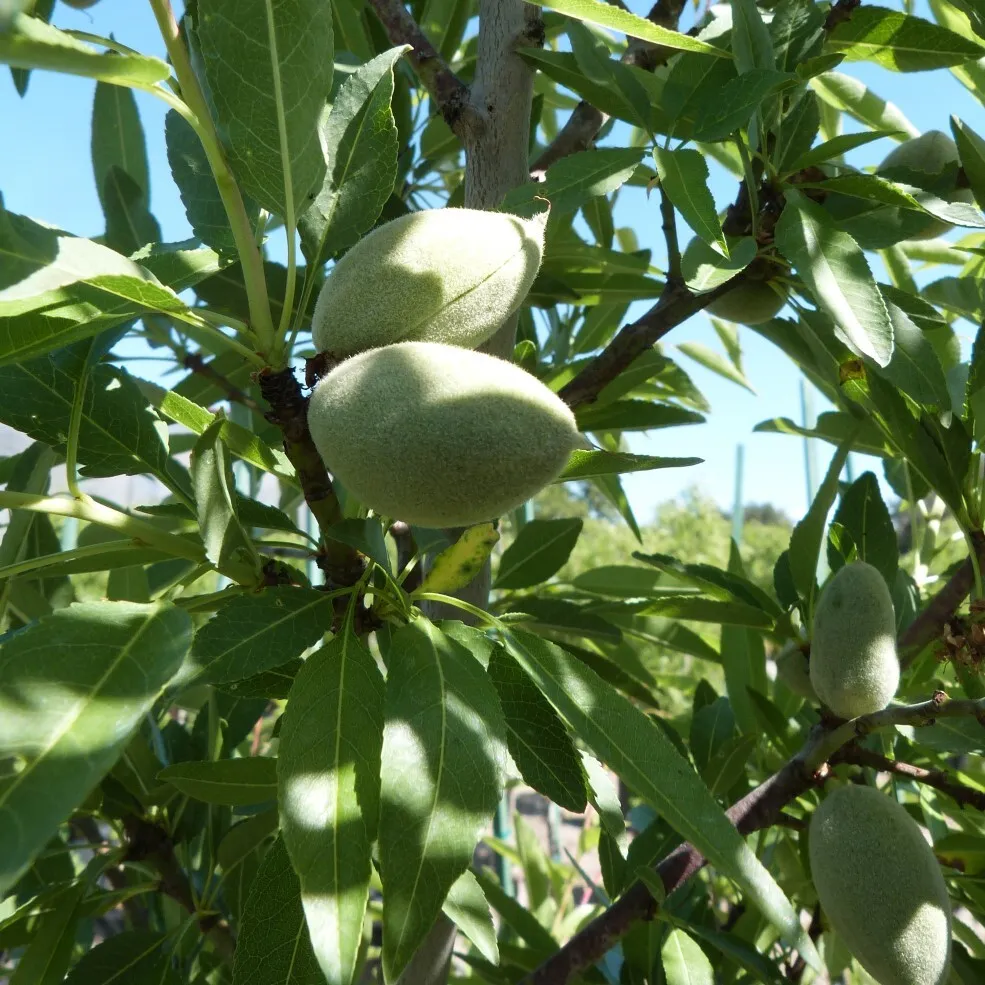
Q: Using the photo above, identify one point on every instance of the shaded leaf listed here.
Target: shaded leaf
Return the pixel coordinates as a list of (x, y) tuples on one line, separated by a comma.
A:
[(443, 754), (586, 464), (328, 772), (466, 906), (360, 138), (540, 550), (251, 780), (684, 177), (269, 116), (73, 686)]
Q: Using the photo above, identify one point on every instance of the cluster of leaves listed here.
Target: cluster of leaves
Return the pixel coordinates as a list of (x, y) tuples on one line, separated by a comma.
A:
[(192, 778)]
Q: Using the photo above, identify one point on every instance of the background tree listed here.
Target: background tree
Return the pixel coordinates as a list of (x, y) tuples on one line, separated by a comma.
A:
[(236, 747)]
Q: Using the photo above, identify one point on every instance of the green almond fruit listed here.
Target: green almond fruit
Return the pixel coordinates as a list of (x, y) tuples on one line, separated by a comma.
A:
[(752, 302), (437, 435), (854, 665), (442, 275), (930, 153), (793, 669), (881, 887)]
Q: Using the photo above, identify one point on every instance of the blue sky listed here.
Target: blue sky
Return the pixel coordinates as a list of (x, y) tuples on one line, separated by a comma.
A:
[(45, 172)]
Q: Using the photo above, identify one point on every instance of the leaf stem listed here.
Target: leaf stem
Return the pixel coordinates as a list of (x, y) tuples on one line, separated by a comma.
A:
[(86, 508), (47, 560), (474, 610), (74, 429), (232, 198)]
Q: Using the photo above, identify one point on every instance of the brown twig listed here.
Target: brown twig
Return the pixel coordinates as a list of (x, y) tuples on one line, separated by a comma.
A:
[(929, 625), (289, 411), (197, 364), (760, 808), (840, 12), (448, 91), (797, 967), (676, 305), (149, 843), (933, 778), (583, 126)]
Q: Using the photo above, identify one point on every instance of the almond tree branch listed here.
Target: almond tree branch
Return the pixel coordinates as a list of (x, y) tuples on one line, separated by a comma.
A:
[(194, 362), (933, 778), (929, 625), (450, 94), (760, 808), (676, 305), (585, 122)]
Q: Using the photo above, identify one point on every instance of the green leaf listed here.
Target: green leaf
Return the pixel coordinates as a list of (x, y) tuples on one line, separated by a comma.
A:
[(516, 916), (838, 146), (709, 610), (684, 177), (34, 44), (197, 186), (466, 906), (900, 42), (241, 442), (971, 148), (619, 19), (704, 269), (227, 544), (752, 46), (540, 550), (257, 632), (684, 962), (441, 778), (119, 432), (129, 223), (46, 958), (915, 367), (537, 739), (273, 944), (232, 782), (808, 535), (587, 464), (118, 138), (716, 363), (269, 115), (636, 748), (848, 95), (360, 138), (134, 957), (577, 179), (41, 263), (864, 515), (634, 415), (720, 114), (73, 686), (835, 269), (328, 774)]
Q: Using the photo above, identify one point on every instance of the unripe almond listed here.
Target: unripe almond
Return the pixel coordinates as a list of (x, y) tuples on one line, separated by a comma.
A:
[(793, 669), (881, 887), (854, 666), (929, 153), (439, 436), (749, 303), (443, 275)]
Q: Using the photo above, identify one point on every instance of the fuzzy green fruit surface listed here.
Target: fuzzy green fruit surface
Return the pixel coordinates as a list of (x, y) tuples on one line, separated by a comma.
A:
[(443, 275), (881, 887), (793, 669), (930, 153), (751, 303), (437, 435), (854, 665)]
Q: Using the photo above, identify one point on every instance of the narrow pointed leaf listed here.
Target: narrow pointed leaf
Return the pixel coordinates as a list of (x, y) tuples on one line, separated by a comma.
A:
[(587, 464), (34, 44), (251, 780), (256, 632), (269, 115), (328, 775), (684, 177), (197, 186), (540, 550), (360, 137), (467, 908), (273, 944), (73, 686), (118, 139), (684, 962), (537, 739), (851, 96), (619, 19), (134, 957), (900, 42), (639, 752), (834, 267), (443, 755)]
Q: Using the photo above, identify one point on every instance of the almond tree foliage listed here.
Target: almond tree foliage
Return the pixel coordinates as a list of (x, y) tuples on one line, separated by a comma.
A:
[(266, 754)]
